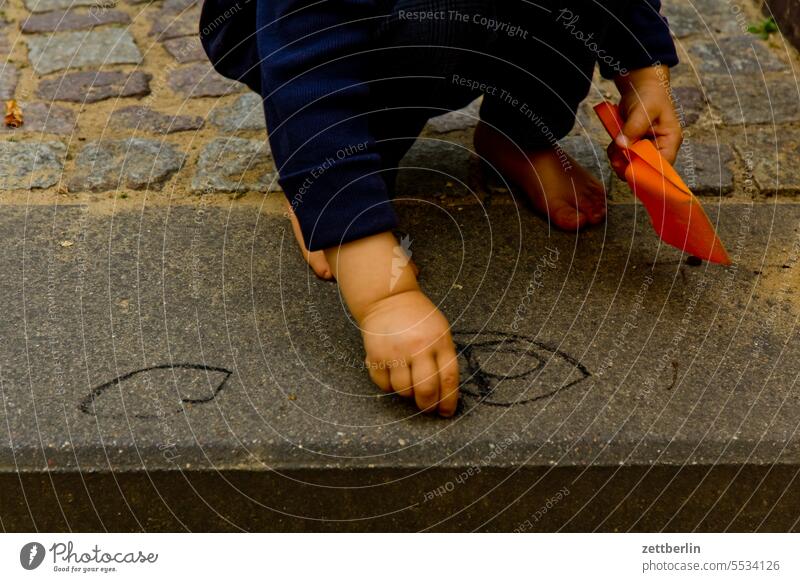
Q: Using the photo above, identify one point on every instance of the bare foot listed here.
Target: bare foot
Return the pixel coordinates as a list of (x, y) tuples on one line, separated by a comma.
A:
[(557, 186), (315, 259)]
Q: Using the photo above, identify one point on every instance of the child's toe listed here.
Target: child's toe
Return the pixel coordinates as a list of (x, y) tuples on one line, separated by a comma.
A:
[(569, 217)]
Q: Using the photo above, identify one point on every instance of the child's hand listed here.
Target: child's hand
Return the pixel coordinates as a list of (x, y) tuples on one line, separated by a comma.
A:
[(410, 351), (647, 111), (406, 338)]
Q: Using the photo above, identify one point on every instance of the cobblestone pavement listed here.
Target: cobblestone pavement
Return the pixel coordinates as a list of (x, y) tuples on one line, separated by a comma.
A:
[(118, 100)]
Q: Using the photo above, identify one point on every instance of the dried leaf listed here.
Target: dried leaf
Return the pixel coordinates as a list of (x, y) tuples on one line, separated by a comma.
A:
[(13, 114)]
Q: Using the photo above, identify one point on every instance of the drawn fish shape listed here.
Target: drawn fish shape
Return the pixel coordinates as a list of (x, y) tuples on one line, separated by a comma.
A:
[(156, 392), (506, 369)]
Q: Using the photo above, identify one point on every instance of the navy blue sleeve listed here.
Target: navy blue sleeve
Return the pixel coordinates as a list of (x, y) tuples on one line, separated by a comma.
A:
[(314, 64), (228, 36), (637, 37)]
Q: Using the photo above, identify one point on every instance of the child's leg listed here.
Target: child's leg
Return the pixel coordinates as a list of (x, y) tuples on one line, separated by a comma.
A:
[(416, 66), (542, 75), (415, 62)]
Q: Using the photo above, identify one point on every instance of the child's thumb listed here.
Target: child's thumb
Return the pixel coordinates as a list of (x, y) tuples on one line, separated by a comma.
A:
[(637, 124)]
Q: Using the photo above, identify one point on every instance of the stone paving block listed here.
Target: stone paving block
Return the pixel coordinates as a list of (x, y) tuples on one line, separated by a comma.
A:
[(174, 22), (185, 49), (93, 86), (62, 50), (602, 352), (774, 158), (143, 118), (177, 5), (246, 113), (9, 77), (689, 103), (25, 165), (234, 165), (64, 20), (44, 118), (750, 101), (5, 42), (463, 119), (48, 5), (133, 163), (706, 167), (201, 80), (702, 17), (737, 55)]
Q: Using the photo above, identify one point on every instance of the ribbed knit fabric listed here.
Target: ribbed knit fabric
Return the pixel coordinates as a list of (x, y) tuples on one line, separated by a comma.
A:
[(316, 63)]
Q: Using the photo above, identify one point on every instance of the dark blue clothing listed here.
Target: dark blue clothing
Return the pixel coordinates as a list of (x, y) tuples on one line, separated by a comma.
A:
[(349, 84)]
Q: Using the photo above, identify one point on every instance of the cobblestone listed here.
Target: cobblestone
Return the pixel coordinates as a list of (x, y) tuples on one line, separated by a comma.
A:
[(132, 163), (201, 80), (30, 164), (177, 5), (47, 5), (174, 22), (64, 20), (737, 55), (246, 113), (9, 76), (61, 50), (705, 167), (701, 17), (5, 44), (44, 118), (749, 100), (142, 118), (83, 52), (775, 160), (234, 165), (186, 49), (689, 104), (93, 86)]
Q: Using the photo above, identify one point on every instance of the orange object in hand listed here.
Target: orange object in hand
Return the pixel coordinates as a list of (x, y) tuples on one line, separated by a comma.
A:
[(677, 216)]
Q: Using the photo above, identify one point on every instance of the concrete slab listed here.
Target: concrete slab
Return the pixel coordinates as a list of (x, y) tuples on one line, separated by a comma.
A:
[(186, 352)]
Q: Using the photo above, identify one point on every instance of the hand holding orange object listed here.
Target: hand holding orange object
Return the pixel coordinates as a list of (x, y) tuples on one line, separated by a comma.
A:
[(677, 216)]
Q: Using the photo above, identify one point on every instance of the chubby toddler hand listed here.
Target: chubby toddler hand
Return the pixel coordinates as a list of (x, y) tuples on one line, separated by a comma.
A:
[(648, 113)]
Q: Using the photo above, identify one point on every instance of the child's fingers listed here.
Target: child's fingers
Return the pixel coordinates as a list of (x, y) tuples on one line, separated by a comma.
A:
[(638, 123), (447, 361), (400, 378), (425, 376), (669, 144), (379, 375)]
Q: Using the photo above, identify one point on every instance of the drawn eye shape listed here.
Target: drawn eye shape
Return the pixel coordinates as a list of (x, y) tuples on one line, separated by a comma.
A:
[(504, 369), (155, 392)]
